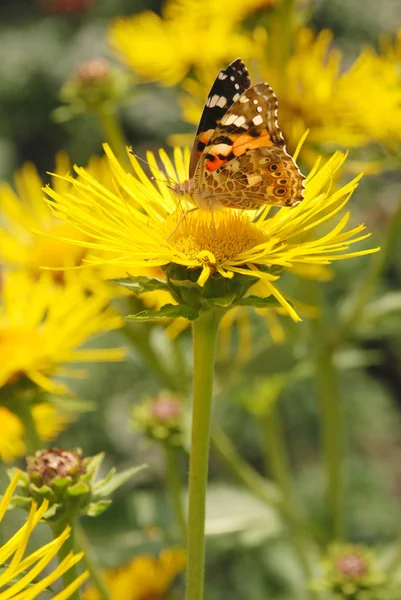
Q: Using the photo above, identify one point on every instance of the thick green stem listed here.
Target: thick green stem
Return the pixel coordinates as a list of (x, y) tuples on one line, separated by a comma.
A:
[(265, 492), (89, 560), (204, 339), (175, 491), (113, 133), (69, 546), (32, 439)]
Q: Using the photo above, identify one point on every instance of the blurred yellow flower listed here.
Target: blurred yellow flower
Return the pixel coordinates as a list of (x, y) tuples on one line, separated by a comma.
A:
[(49, 423), (144, 578), (42, 325), (350, 107), (18, 575), (189, 34), (237, 243), (22, 211)]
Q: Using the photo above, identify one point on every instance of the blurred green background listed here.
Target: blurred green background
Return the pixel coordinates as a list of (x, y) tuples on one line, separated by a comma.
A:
[(249, 554)]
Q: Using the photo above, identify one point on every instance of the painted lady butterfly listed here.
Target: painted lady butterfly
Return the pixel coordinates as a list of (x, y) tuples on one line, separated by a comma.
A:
[(239, 158)]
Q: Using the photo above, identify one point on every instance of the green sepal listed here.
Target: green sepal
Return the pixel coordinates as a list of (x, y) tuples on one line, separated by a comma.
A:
[(168, 311), (115, 480), (79, 489), (95, 509), (223, 302), (186, 283), (93, 464), (141, 284), (257, 302)]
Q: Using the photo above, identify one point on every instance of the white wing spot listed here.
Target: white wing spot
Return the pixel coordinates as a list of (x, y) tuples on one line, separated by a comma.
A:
[(229, 119), (222, 101), (235, 97), (244, 99), (259, 109), (222, 75), (232, 78), (213, 101), (239, 121), (256, 101), (236, 86), (258, 120)]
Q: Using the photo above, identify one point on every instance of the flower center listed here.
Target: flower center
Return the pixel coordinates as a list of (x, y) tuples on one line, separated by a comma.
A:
[(224, 234)]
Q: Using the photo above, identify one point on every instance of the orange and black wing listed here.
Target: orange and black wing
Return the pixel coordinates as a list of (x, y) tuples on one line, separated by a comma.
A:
[(245, 163), (227, 88)]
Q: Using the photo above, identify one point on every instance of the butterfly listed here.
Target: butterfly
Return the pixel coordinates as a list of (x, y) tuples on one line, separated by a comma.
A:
[(239, 159)]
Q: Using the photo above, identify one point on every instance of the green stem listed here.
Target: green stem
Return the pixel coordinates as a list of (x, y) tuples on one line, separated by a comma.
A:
[(354, 311), (242, 470), (139, 338), (281, 30), (205, 330), (174, 486), (265, 492), (32, 439), (113, 133), (331, 426), (275, 453), (69, 546), (89, 560)]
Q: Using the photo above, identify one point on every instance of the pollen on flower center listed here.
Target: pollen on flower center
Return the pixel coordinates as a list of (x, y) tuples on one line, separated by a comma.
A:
[(226, 235)]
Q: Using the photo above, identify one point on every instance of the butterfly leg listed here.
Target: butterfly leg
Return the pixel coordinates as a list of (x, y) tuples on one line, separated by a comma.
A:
[(181, 220), (212, 221)]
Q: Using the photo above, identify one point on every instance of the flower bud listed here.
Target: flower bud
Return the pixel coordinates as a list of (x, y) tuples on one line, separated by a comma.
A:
[(69, 482), (351, 572), (95, 86), (161, 418), (48, 465)]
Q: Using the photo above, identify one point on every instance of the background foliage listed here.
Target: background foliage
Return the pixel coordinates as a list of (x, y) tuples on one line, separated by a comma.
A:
[(249, 553)]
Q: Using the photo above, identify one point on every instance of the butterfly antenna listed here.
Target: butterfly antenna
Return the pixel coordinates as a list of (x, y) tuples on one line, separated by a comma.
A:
[(152, 166)]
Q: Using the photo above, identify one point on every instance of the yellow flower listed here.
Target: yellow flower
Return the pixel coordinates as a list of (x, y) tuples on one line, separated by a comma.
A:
[(18, 574), (49, 423), (188, 34), (144, 578), (316, 92), (235, 244), (42, 325), (22, 212)]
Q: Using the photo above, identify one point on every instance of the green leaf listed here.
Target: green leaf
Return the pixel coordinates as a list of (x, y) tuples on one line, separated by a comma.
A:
[(387, 303), (70, 404), (168, 311), (117, 481), (223, 302), (93, 465), (140, 284), (257, 302), (186, 283), (78, 489), (95, 509)]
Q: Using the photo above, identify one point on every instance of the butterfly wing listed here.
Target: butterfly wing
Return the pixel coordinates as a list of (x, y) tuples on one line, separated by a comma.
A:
[(227, 88), (260, 176), (245, 163)]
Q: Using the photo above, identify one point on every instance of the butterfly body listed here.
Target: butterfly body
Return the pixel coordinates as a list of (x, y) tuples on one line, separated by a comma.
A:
[(239, 158)]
